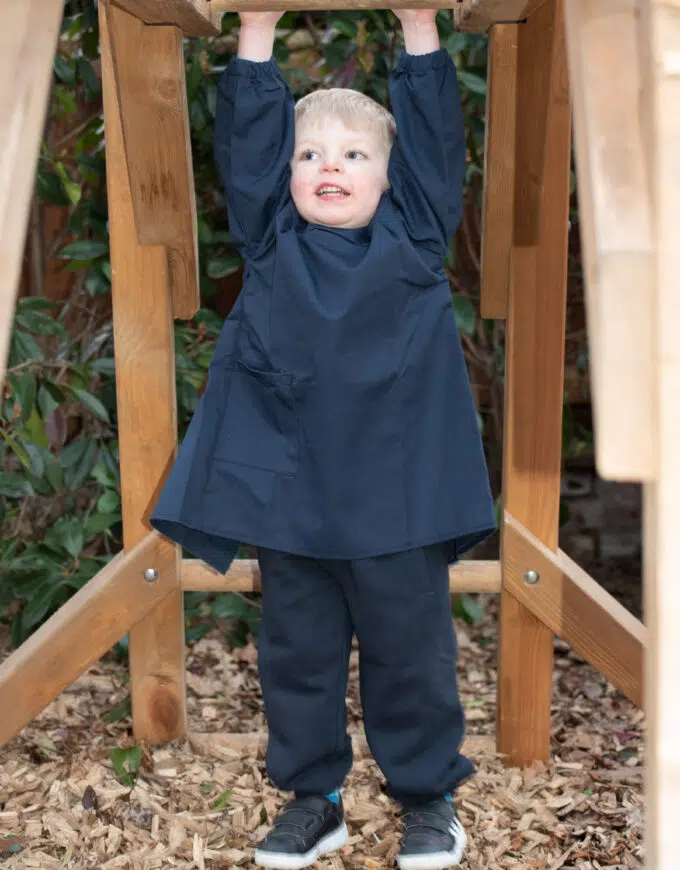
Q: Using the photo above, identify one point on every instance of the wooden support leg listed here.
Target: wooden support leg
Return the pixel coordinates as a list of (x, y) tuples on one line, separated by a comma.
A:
[(147, 410), (534, 385), (28, 37), (660, 40)]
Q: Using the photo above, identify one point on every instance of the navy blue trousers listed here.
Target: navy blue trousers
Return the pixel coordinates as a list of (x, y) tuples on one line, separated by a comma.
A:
[(398, 606)]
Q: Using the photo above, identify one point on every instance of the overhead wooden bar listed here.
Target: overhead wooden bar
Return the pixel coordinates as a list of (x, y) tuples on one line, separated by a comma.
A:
[(82, 630), (195, 17), (28, 37), (572, 604), (471, 575), (478, 16)]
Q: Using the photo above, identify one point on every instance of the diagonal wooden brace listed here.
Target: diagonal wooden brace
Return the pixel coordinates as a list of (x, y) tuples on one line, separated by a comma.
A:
[(152, 105), (81, 631), (576, 608)]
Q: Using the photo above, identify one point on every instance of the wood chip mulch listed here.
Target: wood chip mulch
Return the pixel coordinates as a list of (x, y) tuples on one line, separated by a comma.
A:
[(201, 803)]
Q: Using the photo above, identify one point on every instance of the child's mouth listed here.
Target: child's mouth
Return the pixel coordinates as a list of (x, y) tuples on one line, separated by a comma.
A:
[(331, 191)]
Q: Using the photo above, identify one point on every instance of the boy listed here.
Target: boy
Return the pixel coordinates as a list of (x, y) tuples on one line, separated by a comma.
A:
[(338, 433)]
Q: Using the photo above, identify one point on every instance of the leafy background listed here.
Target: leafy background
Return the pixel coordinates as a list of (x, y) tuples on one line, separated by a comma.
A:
[(60, 518)]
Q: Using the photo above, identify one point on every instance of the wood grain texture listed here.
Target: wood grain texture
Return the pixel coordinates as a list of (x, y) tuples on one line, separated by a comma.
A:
[(28, 38), (533, 416), (574, 606), (660, 41), (499, 169), (194, 17), (478, 16), (151, 83), (81, 631), (147, 411), (616, 230), (471, 575)]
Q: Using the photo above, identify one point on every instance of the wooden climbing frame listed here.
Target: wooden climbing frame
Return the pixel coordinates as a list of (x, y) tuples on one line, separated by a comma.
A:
[(612, 67)]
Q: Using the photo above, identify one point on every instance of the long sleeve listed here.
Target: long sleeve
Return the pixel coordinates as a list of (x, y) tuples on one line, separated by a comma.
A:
[(254, 142), (427, 162)]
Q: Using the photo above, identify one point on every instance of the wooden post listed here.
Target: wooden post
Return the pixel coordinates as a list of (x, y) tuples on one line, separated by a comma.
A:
[(147, 411), (499, 170), (660, 41), (534, 374), (27, 40)]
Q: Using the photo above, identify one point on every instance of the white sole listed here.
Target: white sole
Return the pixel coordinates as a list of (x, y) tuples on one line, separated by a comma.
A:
[(335, 840), (435, 860)]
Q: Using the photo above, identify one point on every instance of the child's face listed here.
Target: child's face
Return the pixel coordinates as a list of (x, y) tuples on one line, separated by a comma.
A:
[(338, 174)]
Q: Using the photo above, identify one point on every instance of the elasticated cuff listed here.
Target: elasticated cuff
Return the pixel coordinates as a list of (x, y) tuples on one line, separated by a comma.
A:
[(419, 63), (252, 69)]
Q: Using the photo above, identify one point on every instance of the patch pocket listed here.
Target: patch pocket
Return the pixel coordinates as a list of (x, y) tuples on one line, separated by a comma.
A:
[(260, 424)]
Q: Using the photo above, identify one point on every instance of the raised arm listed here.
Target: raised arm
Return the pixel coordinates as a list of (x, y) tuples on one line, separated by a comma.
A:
[(254, 133), (427, 163)]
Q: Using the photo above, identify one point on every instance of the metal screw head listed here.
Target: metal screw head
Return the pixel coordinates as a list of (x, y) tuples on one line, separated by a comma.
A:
[(151, 575), (532, 577)]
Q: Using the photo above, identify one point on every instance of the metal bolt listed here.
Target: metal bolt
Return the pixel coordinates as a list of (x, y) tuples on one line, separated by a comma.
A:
[(151, 575), (532, 577)]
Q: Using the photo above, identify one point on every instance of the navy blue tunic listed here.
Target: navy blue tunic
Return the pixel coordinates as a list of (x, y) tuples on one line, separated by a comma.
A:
[(338, 420)]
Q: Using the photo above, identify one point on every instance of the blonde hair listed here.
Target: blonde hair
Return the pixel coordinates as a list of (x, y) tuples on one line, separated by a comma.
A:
[(355, 110)]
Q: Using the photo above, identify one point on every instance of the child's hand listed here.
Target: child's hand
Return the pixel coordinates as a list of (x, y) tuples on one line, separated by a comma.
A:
[(415, 16), (260, 19)]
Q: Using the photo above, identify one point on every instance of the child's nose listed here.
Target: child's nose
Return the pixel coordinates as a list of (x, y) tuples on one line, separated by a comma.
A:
[(332, 164)]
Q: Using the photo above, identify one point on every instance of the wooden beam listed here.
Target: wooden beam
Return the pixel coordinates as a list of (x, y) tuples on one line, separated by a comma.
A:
[(147, 412), (478, 16), (80, 632), (616, 230), (499, 169), (533, 424), (298, 5), (660, 57), (194, 17), (28, 37), (153, 109), (472, 575), (541, 75), (576, 608), (231, 745)]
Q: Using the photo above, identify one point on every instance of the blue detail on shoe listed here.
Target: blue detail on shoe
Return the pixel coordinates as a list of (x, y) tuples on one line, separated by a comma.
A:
[(449, 798), (333, 796)]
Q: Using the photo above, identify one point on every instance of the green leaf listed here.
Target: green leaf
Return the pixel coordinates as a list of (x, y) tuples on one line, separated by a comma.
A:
[(51, 189), (64, 70), (92, 404), (465, 314), (120, 711), (221, 267), (47, 401), (40, 603), (14, 484), (83, 250), (66, 534), (126, 763), (98, 522), (221, 802), (108, 502), (472, 82)]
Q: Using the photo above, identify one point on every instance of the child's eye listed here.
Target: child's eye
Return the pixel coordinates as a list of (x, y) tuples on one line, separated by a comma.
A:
[(308, 154), (353, 155)]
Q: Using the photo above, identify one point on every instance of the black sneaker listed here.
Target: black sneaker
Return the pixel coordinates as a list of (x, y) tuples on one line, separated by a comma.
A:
[(433, 836), (306, 828)]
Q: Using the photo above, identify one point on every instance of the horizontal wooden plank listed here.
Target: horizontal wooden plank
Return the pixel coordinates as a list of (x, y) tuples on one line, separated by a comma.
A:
[(231, 745), (82, 630), (477, 16), (195, 17), (471, 575), (576, 608), (27, 42), (295, 5)]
